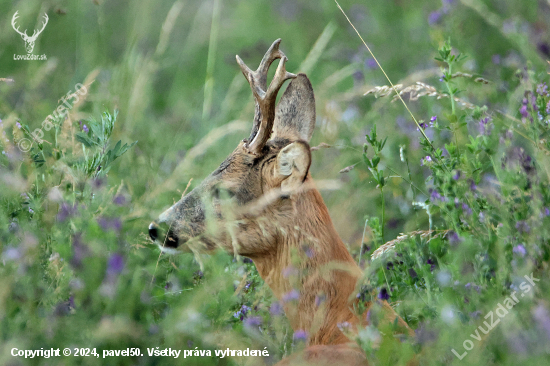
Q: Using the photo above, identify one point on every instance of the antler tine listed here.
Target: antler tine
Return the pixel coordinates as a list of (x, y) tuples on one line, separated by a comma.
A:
[(271, 55), (281, 75), (265, 100)]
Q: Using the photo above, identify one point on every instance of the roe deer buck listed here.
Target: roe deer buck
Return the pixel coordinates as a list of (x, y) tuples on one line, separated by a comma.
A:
[(275, 211)]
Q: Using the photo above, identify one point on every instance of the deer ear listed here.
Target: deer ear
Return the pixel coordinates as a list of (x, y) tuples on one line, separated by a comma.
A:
[(293, 163), (295, 115)]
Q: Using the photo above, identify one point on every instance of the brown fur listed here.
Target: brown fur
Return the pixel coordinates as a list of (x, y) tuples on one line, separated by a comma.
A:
[(263, 205)]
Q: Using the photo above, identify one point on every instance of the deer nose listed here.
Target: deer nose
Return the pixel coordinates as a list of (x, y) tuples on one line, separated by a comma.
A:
[(164, 234)]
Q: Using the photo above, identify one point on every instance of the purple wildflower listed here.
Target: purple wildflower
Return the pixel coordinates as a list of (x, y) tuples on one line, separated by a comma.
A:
[(519, 250), (523, 109), (31, 210), (432, 120), (544, 48), (80, 251), (542, 89), (466, 210), (424, 335), (276, 308), (456, 175), (66, 211), (533, 99), (85, 128), (473, 185), (542, 318), (453, 238), (241, 313), (518, 342), (11, 254), (119, 200), (253, 322), (370, 63), (485, 126), (425, 160), (422, 126), (523, 227), (431, 263), (107, 223), (517, 158), (548, 107), (97, 183), (18, 125), (383, 294), (63, 308), (291, 295), (436, 196), (115, 264), (434, 17), (300, 335), (481, 217)]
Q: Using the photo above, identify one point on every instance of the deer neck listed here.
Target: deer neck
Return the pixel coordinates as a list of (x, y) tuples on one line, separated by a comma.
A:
[(311, 272)]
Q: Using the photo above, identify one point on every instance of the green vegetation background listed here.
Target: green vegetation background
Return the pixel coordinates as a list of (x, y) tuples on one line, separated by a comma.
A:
[(169, 69)]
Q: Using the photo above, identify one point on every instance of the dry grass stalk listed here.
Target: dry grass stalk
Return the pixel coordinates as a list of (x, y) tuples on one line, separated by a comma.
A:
[(322, 145), (347, 169), (389, 246), (415, 91)]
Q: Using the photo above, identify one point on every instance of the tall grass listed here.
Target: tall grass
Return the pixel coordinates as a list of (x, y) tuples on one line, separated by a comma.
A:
[(470, 197)]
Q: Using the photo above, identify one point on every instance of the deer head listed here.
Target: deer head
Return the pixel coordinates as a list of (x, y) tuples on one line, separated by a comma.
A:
[(29, 41), (242, 204)]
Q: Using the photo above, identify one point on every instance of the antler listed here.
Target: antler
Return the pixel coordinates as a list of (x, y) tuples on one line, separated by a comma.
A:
[(36, 33), (265, 100), (15, 16)]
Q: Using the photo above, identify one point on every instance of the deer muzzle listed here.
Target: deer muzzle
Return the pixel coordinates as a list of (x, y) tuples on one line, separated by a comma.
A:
[(181, 222)]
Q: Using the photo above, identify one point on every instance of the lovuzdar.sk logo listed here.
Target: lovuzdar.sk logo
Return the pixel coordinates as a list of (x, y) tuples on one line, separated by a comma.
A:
[(29, 41)]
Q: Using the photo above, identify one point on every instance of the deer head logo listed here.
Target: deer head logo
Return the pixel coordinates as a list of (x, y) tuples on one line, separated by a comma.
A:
[(29, 41)]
